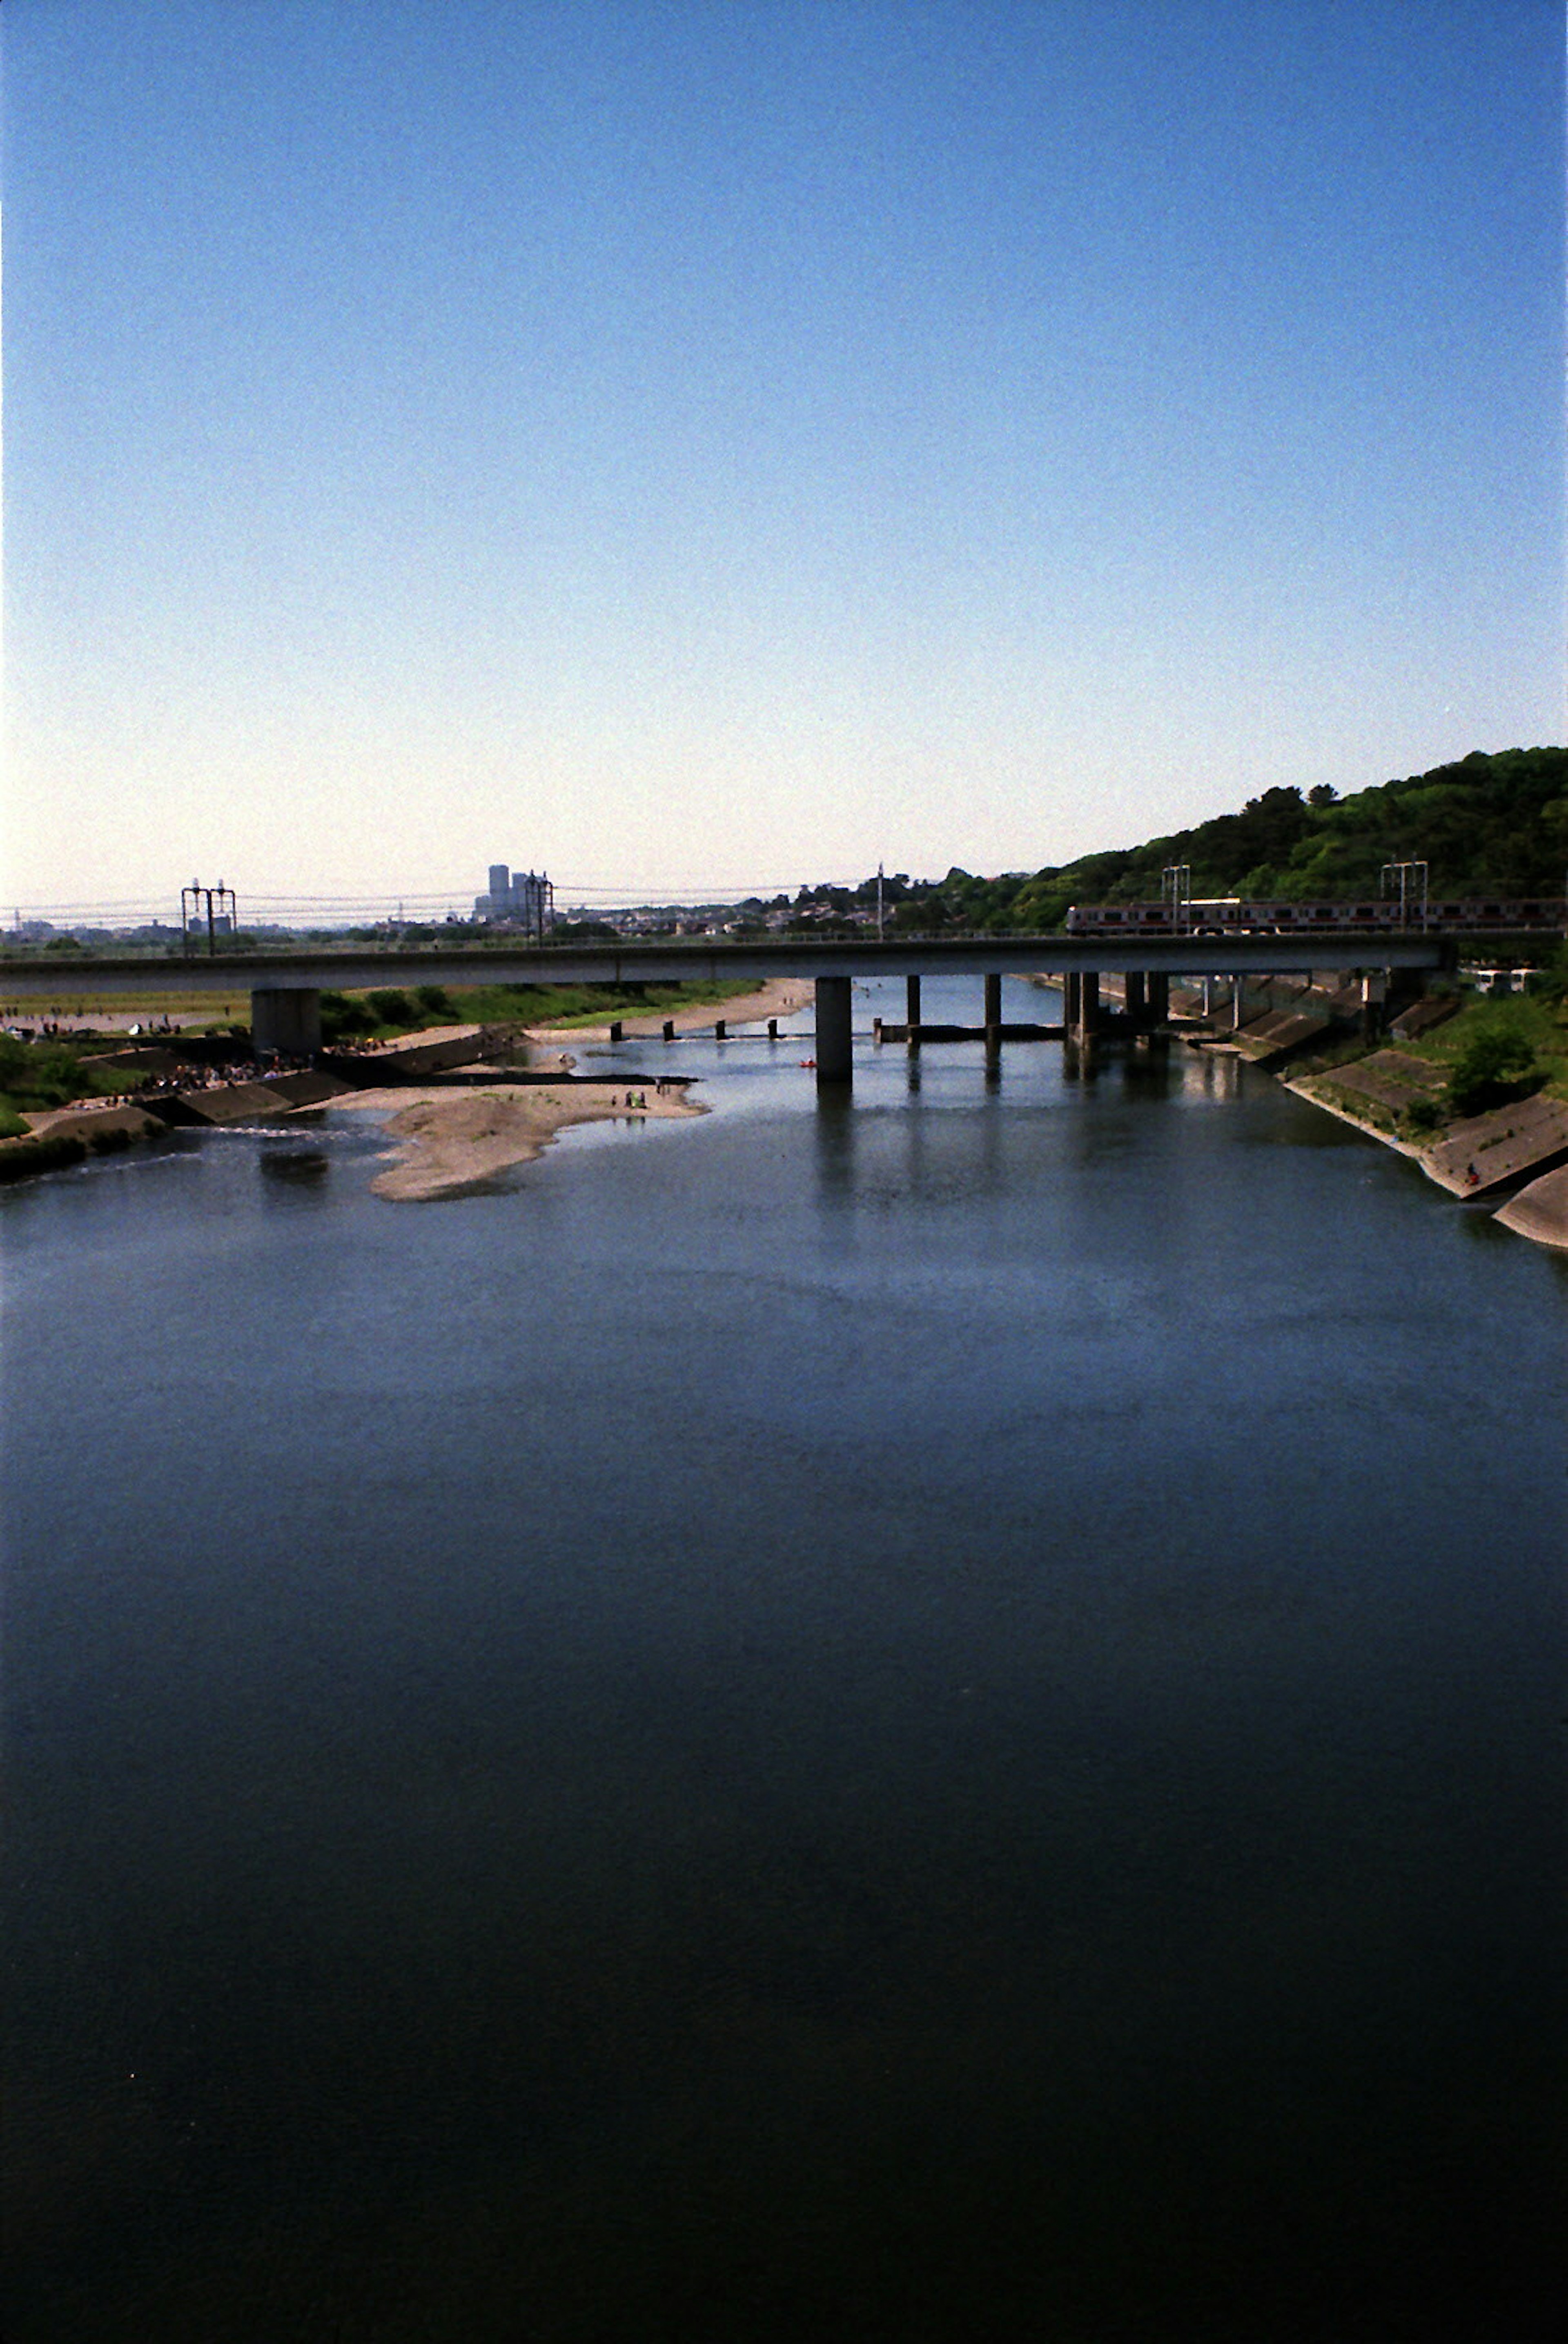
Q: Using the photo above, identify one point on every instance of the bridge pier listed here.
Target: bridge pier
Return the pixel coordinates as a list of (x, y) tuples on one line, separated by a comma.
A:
[(1156, 995), (1136, 997), (1087, 1022), (1402, 989), (284, 1020), (835, 1056)]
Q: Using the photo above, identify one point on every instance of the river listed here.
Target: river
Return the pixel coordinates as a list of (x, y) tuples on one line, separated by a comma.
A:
[(933, 1718)]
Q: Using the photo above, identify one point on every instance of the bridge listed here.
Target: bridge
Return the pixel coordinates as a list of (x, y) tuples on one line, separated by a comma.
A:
[(286, 987)]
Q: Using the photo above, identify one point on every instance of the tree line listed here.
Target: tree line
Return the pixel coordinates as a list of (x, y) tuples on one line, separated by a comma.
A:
[(1487, 825)]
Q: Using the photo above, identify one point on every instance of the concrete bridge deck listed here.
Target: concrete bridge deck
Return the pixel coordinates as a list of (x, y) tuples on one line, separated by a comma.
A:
[(284, 987), (353, 968)]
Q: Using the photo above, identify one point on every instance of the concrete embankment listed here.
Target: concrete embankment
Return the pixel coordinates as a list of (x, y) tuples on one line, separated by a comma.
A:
[(1482, 1158), (269, 1094), (1486, 1153), (59, 1136), (431, 1052), (1540, 1212), (66, 1135)]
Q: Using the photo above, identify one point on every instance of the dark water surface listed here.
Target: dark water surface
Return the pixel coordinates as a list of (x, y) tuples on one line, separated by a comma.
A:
[(931, 1719)]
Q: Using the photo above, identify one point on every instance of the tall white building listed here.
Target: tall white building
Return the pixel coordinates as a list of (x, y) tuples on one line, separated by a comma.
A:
[(519, 899)]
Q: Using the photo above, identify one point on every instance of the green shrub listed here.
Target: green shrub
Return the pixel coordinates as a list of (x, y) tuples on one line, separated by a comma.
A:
[(1496, 1064), (42, 1074), (1423, 1117), (434, 998), (341, 1017), (393, 1006)]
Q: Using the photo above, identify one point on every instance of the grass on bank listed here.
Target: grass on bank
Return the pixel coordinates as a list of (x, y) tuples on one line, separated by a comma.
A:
[(386, 1011), (37, 1076), (1494, 1053)]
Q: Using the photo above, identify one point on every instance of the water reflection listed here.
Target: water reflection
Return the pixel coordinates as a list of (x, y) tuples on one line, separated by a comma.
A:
[(299, 1169), (1147, 1073), (835, 1127)]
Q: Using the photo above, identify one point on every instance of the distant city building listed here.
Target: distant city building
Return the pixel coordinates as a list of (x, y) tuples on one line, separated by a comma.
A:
[(517, 899)]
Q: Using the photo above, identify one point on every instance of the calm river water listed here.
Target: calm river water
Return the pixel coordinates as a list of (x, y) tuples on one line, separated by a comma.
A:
[(926, 1720)]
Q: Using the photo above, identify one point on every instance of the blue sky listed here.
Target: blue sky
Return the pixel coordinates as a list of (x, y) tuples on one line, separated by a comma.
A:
[(697, 445)]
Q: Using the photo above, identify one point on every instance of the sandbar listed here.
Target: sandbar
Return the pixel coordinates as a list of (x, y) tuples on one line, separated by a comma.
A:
[(451, 1140), (780, 996)]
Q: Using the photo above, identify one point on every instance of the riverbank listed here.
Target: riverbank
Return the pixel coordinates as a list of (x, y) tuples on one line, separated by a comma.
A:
[(1539, 1211), (449, 1142), (780, 996)]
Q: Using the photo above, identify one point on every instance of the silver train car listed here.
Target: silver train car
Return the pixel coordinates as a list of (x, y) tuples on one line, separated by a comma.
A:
[(1230, 916)]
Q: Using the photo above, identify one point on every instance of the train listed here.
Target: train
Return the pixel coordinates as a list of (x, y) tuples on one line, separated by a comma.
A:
[(1230, 916)]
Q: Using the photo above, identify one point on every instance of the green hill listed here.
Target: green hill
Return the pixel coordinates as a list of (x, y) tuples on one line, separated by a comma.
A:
[(1489, 824)]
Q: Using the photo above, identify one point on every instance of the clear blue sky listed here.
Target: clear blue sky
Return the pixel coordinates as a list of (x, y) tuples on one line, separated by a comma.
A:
[(682, 444)]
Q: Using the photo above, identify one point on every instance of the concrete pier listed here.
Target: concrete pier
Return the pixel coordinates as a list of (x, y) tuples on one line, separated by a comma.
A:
[(1087, 1022), (835, 1056), (285, 1019)]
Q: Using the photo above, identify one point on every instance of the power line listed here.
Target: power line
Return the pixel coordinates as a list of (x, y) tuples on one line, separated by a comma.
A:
[(407, 903)]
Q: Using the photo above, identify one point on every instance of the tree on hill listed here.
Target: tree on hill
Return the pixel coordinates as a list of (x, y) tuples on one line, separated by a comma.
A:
[(1488, 824)]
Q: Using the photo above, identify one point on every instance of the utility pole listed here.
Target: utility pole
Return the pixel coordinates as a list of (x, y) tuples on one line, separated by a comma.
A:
[(191, 902), (879, 903), (1408, 880), (1176, 889)]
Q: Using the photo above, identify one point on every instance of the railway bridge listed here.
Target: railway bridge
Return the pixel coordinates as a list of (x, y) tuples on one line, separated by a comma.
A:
[(286, 987)]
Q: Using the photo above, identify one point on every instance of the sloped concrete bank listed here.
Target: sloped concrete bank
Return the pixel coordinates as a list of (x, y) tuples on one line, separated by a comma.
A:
[(1540, 1212), (1480, 1158)]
